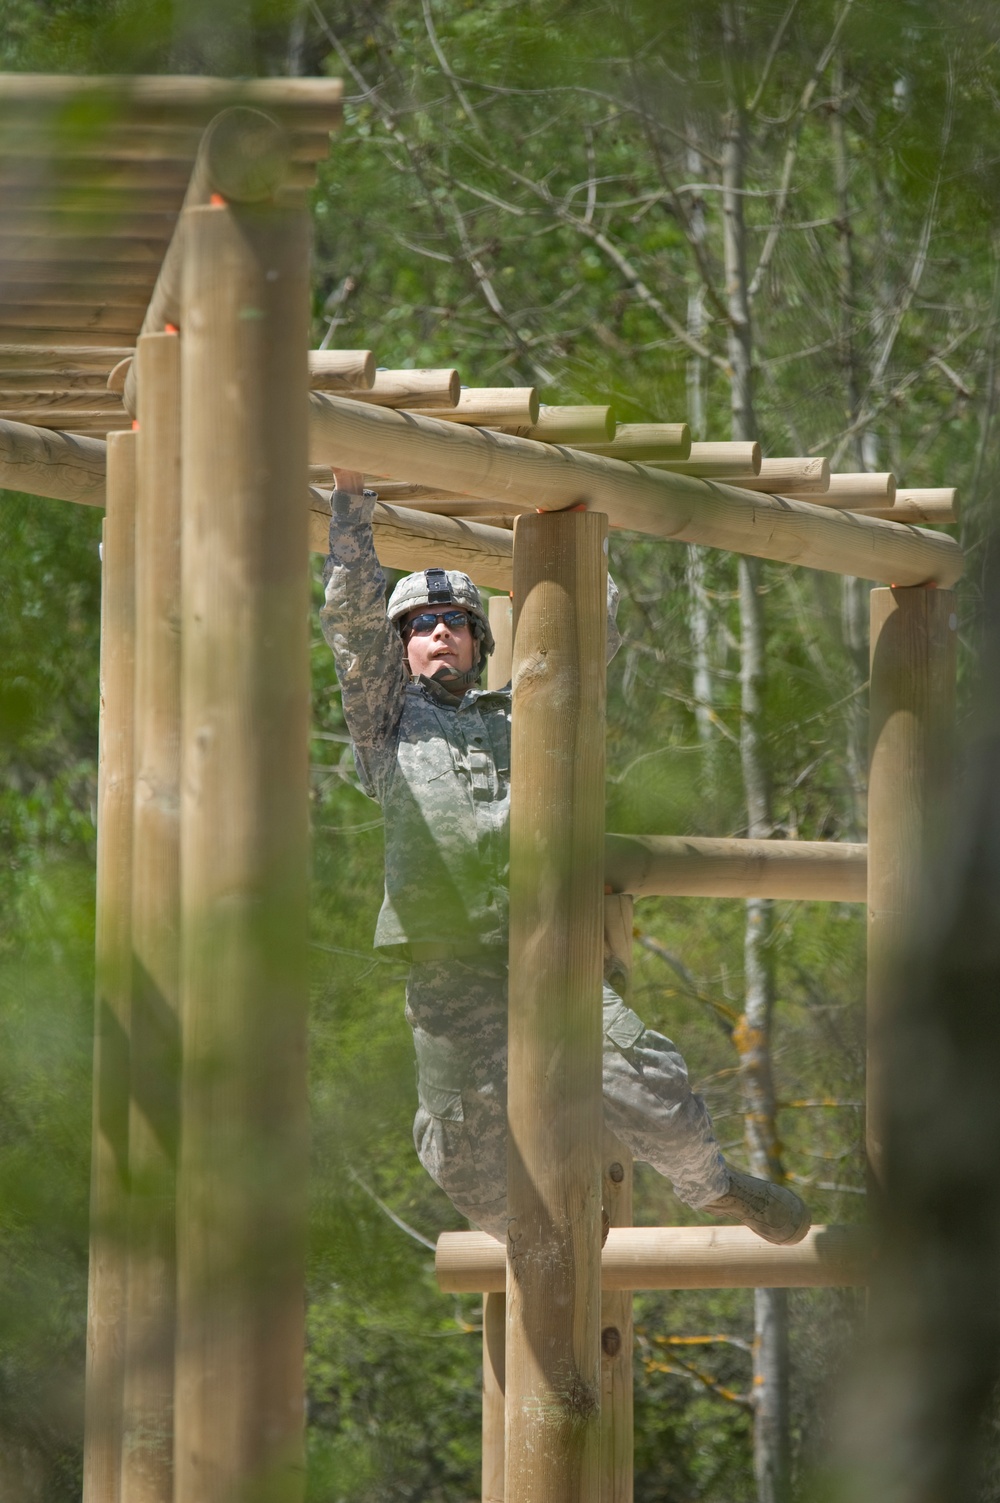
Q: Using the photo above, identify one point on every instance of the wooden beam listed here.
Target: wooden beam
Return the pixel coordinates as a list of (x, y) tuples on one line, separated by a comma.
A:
[(420, 448), (914, 637), (785, 477), (108, 1270), (935, 504), (63, 141), (855, 492), (695, 867), (417, 388), (554, 1093), (710, 461), (66, 360), (61, 465), (571, 425), (154, 1125), (240, 1405), (499, 665), (408, 539), (311, 102), (636, 441), (679, 1257), (339, 370), (617, 1331), (493, 407)]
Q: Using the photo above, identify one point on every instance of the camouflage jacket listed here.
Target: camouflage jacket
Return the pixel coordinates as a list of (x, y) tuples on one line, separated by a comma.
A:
[(439, 766)]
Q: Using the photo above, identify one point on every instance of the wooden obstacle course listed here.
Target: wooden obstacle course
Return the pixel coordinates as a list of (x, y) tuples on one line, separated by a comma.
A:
[(74, 357)]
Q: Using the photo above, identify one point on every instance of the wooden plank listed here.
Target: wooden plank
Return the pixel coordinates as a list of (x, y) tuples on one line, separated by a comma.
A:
[(554, 1091), (617, 1333), (411, 388), (571, 425), (240, 1405), (154, 1124), (108, 1271), (696, 867), (803, 477), (494, 1385), (91, 317), (493, 407), (709, 461), (935, 504), (679, 1257), (417, 447), (636, 441), (68, 359), (914, 638), (854, 492)]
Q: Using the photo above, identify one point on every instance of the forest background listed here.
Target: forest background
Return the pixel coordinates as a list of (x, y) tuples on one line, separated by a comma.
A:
[(772, 220)]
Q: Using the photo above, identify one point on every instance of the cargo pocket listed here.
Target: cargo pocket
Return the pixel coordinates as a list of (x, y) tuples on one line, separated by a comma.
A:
[(439, 1077), (621, 1025)]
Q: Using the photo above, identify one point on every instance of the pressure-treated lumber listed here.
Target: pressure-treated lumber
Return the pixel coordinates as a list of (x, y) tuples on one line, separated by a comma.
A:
[(493, 407), (71, 421), (65, 359), (341, 370), (500, 609), (710, 461), (62, 465), (415, 447), (854, 492), (787, 477), (617, 1335), (572, 425), (554, 1102), (407, 539), (936, 504), (679, 1257), (418, 388), (695, 867), (494, 1386), (108, 1272), (914, 636), (152, 97), (243, 156), (244, 831), (147, 1450), (634, 441)]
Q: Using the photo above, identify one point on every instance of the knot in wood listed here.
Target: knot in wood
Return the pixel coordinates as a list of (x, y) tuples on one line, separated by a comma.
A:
[(611, 1341)]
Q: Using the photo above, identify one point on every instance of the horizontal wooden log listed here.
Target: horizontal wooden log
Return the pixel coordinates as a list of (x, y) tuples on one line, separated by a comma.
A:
[(64, 466), (65, 360), (149, 184), (33, 386), (807, 476), (418, 388), (85, 222), (64, 140), (316, 101), (413, 540), (62, 254), (60, 403), (936, 504), (678, 1257), (92, 318), (696, 867), (67, 296), (710, 461), (853, 492), (341, 370), (571, 425), (493, 407), (638, 441), (97, 421), (52, 277), (411, 446), (45, 339)]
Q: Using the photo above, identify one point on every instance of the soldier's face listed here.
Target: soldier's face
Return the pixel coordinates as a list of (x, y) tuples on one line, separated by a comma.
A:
[(447, 646)]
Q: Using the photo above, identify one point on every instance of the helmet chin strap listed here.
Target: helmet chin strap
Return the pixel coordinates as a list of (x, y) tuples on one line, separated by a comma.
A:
[(455, 683)]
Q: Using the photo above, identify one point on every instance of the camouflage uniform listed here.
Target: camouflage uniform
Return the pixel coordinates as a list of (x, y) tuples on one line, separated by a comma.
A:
[(440, 768)]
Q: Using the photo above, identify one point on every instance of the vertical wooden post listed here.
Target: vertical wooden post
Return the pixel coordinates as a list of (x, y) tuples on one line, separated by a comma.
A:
[(106, 1292), (239, 1405), (494, 1385), (617, 1447), (913, 649), (554, 1040), (147, 1453), (500, 608), (498, 667)]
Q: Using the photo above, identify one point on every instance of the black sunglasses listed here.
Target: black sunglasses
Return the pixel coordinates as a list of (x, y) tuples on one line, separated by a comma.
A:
[(425, 623)]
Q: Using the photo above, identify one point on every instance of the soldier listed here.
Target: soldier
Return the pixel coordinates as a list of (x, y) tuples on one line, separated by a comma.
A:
[(434, 749)]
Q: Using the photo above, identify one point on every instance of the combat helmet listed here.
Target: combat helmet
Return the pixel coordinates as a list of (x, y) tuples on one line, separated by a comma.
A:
[(442, 587)]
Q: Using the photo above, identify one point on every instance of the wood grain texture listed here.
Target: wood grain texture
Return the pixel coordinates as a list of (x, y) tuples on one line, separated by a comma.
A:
[(617, 1334), (419, 448), (154, 1127), (62, 465), (914, 637), (554, 1011), (239, 1410), (697, 867), (784, 477), (679, 1257), (633, 441), (500, 664), (710, 460), (108, 1270)]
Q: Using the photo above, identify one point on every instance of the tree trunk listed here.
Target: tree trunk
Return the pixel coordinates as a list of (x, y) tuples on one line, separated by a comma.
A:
[(772, 1460)]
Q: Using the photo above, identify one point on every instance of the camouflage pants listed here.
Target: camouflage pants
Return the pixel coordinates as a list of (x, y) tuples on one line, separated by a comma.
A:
[(458, 1013)]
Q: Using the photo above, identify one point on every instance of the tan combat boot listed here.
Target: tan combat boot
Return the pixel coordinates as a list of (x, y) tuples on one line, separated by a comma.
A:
[(772, 1211)]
